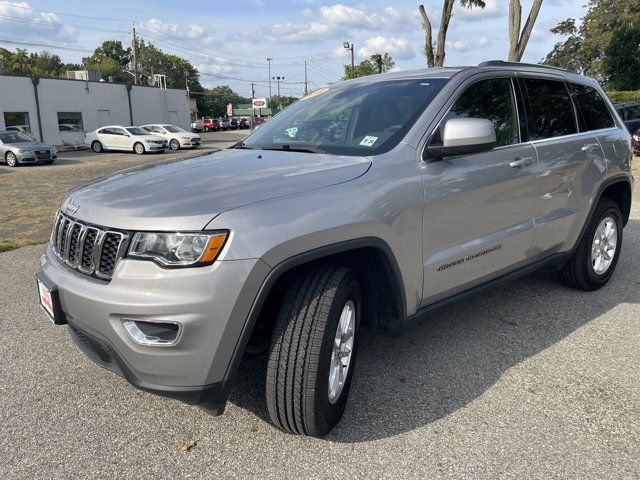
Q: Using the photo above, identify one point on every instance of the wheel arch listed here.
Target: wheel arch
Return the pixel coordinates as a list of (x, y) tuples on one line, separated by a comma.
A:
[(620, 192), (376, 268)]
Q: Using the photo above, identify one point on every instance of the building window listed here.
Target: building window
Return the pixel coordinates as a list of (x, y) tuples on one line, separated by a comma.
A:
[(70, 122), (18, 120)]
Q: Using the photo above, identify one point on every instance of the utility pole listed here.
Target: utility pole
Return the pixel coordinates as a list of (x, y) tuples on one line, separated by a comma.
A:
[(305, 77), (135, 56), (253, 110), (269, 63)]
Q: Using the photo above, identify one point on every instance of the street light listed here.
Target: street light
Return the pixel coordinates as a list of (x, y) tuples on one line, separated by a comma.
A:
[(277, 79), (350, 47)]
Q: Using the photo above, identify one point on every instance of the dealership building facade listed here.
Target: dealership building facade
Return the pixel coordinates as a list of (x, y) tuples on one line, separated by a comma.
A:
[(60, 111)]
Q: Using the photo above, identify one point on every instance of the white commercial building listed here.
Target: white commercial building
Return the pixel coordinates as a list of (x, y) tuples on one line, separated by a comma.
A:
[(58, 111)]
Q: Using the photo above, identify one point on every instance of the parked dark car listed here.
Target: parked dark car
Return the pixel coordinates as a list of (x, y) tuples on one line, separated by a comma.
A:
[(243, 123), (630, 114), (233, 123)]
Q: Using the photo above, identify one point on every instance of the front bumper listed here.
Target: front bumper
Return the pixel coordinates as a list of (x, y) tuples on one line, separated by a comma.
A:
[(211, 303), (155, 147), (33, 157)]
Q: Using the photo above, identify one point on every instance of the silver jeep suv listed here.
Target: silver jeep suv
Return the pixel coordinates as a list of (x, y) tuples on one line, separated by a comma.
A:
[(369, 203)]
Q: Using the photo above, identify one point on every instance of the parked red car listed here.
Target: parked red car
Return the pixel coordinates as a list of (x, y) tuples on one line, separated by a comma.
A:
[(211, 125)]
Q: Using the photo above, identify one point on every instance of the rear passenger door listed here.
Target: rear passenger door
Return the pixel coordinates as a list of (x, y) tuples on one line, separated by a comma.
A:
[(570, 162)]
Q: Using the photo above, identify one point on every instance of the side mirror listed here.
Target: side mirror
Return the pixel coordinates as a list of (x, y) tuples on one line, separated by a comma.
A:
[(465, 136)]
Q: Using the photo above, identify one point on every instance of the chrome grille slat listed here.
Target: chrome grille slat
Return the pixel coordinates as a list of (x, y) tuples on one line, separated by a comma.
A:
[(89, 249)]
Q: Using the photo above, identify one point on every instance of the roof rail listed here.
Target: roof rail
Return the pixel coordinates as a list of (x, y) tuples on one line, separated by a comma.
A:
[(502, 63)]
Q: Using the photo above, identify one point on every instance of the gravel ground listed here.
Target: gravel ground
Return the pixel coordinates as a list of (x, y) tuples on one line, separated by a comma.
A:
[(526, 380)]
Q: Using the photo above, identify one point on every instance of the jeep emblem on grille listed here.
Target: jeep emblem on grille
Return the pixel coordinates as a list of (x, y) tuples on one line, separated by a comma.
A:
[(72, 207)]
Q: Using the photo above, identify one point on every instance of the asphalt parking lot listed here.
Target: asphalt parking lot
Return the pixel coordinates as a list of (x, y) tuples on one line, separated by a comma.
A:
[(31, 194), (527, 380)]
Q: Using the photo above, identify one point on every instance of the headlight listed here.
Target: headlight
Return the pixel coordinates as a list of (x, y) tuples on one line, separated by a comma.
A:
[(147, 140), (54, 151), (24, 151), (178, 249)]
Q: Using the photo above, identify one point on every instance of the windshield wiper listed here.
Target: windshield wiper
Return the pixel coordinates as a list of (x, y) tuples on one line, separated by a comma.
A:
[(296, 148)]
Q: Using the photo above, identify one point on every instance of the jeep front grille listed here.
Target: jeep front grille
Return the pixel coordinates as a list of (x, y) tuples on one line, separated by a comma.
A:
[(87, 248)]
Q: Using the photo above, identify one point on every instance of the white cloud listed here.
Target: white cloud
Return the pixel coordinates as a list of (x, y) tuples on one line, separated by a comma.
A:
[(192, 31), (22, 24), (398, 48), (331, 21), (458, 46)]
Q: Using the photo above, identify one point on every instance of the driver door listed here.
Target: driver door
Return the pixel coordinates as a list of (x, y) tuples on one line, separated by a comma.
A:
[(478, 217)]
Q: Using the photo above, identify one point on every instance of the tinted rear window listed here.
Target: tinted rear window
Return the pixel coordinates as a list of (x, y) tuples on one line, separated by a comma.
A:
[(552, 113), (593, 111)]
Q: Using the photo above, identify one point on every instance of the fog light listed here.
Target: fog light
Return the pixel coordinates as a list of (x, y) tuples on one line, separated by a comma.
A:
[(152, 333)]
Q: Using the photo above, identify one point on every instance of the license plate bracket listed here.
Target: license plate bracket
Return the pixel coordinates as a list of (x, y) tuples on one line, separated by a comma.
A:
[(50, 300)]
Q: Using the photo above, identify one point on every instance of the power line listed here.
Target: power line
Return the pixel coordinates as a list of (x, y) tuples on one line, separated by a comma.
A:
[(53, 24), (47, 45), (23, 7)]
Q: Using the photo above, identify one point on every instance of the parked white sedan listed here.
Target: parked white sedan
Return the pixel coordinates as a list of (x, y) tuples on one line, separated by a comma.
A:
[(176, 136), (127, 139)]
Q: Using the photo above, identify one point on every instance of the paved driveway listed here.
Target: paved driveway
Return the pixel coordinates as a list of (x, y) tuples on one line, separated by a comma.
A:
[(527, 380)]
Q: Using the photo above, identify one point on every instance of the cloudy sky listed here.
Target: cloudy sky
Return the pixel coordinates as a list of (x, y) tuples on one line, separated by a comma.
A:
[(229, 41)]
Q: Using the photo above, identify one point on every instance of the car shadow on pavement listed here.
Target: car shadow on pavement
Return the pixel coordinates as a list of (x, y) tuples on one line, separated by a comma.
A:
[(405, 382)]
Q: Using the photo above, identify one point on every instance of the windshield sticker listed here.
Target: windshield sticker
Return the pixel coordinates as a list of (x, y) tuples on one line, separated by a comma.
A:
[(368, 141), (316, 92)]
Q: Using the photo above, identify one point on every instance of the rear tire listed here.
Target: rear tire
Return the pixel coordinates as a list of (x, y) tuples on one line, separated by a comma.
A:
[(315, 336), (96, 146), (174, 144), (138, 148), (594, 261)]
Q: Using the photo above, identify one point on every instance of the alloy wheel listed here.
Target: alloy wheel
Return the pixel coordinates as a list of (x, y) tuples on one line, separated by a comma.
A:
[(603, 247), (342, 351)]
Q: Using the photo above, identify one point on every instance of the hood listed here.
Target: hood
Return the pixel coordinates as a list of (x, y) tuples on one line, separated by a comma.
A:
[(186, 194), (29, 146)]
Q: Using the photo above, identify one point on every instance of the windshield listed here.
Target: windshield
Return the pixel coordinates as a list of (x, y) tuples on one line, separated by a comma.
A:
[(137, 131), (172, 129), (360, 119), (14, 137)]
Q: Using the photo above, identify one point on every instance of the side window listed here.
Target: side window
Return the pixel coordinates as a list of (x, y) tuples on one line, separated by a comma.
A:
[(119, 131), (632, 113), (105, 131), (551, 109), (489, 99), (594, 113)]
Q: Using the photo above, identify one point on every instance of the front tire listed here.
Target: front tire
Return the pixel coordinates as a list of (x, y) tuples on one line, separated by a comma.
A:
[(138, 148), (96, 146), (174, 144), (594, 261), (11, 159), (313, 351)]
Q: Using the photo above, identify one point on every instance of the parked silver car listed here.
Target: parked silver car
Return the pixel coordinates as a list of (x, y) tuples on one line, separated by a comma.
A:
[(372, 202), (17, 148)]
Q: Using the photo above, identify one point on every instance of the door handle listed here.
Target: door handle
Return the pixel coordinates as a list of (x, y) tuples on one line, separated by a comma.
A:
[(521, 162), (590, 148)]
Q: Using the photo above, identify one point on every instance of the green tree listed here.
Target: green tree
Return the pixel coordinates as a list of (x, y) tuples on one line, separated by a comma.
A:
[(112, 60), (371, 66), (621, 62), (584, 49), (46, 64), (213, 102)]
